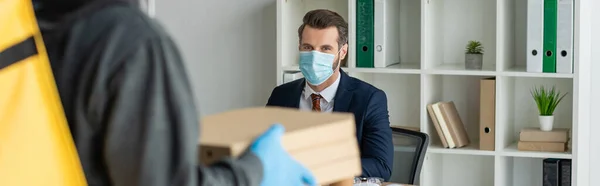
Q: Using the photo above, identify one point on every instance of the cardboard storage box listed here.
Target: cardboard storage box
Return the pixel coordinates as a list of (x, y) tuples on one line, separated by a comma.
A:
[(537, 135), (542, 146), (323, 142)]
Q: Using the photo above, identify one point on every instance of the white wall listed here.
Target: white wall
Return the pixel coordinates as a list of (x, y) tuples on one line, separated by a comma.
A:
[(229, 49), (595, 92)]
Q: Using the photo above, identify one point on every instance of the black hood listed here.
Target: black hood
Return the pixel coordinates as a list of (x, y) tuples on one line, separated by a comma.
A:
[(52, 10)]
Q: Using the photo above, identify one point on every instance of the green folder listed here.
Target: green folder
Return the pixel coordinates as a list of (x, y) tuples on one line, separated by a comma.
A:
[(550, 18), (365, 34)]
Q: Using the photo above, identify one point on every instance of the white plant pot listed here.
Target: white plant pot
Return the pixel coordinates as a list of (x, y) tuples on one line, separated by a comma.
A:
[(546, 123)]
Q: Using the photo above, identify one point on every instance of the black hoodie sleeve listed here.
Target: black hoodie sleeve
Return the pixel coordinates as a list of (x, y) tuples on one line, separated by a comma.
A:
[(152, 125)]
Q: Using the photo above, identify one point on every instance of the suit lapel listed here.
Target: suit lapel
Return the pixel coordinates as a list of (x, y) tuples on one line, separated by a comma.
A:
[(343, 96), (294, 102)]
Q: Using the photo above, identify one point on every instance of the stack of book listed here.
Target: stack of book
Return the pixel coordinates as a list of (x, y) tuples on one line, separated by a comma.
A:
[(534, 139), (448, 124)]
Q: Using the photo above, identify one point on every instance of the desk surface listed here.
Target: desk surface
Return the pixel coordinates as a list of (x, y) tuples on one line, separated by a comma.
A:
[(388, 183)]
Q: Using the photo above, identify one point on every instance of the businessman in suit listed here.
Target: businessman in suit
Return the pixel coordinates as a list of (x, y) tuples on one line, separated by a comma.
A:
[(323, 44)]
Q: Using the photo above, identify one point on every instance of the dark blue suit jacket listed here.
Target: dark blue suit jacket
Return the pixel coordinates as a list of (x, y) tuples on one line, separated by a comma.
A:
[(369, 106)]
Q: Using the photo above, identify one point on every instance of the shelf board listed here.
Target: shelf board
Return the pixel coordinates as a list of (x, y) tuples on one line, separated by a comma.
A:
[(459, 69), (393, 69), (290, 68), (521, 71), (446, 69), (297, 68), (409, 68), (512, 151), (471, 149)]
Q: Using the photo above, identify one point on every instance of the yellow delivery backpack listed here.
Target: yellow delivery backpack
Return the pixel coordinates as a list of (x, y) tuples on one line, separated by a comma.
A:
[(36, 147)]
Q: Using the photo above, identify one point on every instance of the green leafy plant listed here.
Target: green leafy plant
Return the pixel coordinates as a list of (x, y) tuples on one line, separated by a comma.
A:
[(546, 99), (474, 47)]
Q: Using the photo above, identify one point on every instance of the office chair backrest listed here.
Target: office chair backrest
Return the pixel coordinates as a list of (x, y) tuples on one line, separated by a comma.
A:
[(409, 152)]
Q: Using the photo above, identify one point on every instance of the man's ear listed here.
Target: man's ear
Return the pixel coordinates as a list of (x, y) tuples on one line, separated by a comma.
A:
[(344, 51)]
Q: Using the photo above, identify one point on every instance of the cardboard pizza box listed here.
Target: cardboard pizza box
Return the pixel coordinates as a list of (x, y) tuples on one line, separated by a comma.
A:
[(317, 140)]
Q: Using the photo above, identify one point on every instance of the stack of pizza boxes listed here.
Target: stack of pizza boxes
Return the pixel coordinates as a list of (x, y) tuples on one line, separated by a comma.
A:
[(325, 143)]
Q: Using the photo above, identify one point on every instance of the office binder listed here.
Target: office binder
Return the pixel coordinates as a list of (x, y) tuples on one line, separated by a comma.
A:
[(365, 33), (556, 172), (379, 34), (535, 30), (550, 172), (565, 172), (387, 33), (564, 40), (487, 114), (550, 16)]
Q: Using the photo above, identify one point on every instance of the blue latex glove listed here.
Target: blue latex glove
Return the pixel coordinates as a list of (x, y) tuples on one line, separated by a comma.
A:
[(279, 167)]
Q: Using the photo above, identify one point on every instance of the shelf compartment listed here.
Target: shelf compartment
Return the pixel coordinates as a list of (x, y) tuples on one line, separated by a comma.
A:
[(289, 19), (464, 170), (512, 17), (403, 95), (397, 34), (516, 109), (513, 50), (464, 92), (448, 27), (519, 171)]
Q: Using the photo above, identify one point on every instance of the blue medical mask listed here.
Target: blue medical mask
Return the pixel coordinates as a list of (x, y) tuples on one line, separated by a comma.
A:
[(316, 67)]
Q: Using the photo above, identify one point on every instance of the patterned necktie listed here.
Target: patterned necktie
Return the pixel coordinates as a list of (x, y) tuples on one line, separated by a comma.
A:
[(316, 102)]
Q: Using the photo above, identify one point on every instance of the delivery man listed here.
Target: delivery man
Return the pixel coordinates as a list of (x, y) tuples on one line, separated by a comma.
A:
[(129, 104)]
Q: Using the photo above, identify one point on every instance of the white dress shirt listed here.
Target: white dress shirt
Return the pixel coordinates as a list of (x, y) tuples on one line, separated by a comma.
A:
[(326, 102)]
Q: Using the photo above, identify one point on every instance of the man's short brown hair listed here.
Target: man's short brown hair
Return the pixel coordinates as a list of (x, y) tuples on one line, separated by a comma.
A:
[(321, 19)]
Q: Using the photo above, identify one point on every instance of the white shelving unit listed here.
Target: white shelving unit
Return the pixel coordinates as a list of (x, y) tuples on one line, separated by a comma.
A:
[(432, 69)]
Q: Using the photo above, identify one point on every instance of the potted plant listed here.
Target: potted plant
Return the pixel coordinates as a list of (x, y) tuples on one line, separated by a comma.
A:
[(546, 101), (474, 55)]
